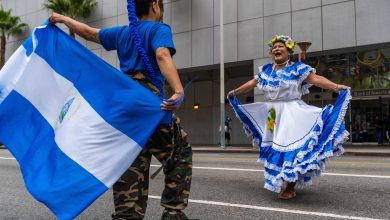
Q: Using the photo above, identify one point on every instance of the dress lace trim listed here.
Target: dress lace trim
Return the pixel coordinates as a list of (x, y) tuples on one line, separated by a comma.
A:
[(304, 166)]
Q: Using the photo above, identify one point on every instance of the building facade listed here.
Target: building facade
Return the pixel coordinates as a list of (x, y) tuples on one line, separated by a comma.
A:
[(350, 45)]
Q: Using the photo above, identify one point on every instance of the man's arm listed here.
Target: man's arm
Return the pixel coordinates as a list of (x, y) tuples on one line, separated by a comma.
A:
[(168, 69), (81, 29)]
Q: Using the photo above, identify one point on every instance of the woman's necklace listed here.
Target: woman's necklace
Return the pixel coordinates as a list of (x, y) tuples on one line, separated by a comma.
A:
[(278, 88), (282, 64)]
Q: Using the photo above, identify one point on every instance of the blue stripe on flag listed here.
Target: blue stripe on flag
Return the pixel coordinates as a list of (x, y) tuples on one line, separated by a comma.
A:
[(111, 93), (27, 44), (50, 175)]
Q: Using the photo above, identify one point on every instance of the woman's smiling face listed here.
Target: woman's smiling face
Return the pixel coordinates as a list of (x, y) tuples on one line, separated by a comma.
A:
[(280, 53)]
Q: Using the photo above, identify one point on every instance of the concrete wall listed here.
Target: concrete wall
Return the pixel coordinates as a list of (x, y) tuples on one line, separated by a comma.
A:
[(107, 13), (249, 24), (328, 24), (203, 124)]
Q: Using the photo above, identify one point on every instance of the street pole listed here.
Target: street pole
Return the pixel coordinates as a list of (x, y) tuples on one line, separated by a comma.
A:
[(222, 77)]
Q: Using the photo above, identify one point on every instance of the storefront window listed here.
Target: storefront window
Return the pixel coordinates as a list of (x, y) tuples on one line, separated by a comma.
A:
[(368, 74)]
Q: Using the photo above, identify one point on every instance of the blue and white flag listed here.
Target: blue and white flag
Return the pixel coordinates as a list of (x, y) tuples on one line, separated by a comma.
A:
[(73, 122)]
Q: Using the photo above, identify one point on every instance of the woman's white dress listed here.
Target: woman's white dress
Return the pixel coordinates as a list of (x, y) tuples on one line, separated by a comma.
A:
[(295, 139)]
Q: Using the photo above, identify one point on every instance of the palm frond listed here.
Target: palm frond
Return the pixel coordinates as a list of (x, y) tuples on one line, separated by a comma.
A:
[(75, 9), (10, 25), (59, 6)]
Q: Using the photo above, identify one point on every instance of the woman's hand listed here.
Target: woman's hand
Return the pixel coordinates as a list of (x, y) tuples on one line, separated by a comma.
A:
[(169, 107), (339, 87), (244, 88), (230, 94)]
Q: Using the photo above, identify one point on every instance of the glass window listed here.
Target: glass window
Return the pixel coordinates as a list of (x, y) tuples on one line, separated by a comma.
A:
[(368, 74)]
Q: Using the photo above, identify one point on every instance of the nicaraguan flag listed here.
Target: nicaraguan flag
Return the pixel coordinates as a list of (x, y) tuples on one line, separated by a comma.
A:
[(73, 122)]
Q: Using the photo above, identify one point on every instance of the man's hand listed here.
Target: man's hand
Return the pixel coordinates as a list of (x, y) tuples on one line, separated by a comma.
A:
[(57, 18), (169, 107)]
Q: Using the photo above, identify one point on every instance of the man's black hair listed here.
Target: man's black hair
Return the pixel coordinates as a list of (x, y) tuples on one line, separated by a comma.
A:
[(142, 6)]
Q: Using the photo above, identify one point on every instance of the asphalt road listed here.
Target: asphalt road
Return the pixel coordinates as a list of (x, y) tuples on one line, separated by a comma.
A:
[(230, 186)]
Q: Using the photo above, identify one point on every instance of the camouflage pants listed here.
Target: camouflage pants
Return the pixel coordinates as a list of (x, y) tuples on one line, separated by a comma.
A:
[(131, 190)]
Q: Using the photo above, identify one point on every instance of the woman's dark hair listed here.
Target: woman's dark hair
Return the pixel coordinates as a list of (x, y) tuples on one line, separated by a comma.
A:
[(138, 8)]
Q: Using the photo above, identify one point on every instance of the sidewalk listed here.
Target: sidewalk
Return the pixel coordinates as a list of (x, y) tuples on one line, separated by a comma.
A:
[(352, 150)]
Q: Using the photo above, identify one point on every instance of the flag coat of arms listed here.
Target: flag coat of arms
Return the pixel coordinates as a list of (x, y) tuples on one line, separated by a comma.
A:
[(73, 122)]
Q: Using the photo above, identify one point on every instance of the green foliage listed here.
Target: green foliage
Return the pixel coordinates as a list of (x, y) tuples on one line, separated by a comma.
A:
[(75, 9), (271, 120), (10, 25), (272, 113)]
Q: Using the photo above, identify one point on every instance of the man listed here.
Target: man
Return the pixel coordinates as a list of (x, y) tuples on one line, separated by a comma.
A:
[(227, 130), (387, 129), (168, 143), (378, 124)]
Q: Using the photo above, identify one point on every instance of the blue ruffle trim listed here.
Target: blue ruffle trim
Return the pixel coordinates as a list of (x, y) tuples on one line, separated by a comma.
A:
[(269, 80), (302, 164)]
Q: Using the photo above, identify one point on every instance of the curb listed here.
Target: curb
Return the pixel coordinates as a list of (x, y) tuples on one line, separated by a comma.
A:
[(250, 151), (367, 154), (224, 150)]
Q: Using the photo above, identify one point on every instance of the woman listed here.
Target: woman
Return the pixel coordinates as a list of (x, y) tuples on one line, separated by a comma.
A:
[(295, 139)]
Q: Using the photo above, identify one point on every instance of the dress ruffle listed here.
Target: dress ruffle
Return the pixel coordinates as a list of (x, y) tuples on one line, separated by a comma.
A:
[(303, 162), (295, 74)]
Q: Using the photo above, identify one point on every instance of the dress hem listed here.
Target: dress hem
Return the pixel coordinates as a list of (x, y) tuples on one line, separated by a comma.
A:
[(304, 165)]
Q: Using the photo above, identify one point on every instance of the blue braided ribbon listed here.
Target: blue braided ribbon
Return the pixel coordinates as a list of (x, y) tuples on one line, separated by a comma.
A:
[(138, 43), (152, 75)]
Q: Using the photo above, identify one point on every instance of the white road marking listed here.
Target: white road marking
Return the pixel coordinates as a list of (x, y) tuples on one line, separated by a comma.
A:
[(271, 209), (255, 170), (7, 158), (357, 175)]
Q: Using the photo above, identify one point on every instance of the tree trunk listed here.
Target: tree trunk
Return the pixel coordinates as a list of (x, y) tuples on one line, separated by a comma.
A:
[(2, 51), (71, 33)]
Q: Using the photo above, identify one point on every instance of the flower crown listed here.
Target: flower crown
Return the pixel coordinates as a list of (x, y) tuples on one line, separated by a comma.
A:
[(290, 44)]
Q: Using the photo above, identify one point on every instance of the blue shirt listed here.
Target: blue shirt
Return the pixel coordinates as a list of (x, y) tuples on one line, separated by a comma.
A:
[(153, 35)]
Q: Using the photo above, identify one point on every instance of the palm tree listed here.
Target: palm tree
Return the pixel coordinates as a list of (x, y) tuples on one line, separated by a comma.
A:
[(9, 26), (75, 9)]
